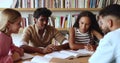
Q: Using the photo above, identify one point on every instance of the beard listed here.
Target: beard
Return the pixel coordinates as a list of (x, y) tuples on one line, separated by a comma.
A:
[(105, 30)]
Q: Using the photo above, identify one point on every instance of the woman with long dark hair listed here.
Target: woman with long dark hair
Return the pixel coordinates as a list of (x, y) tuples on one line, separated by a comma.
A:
[(85, 31)]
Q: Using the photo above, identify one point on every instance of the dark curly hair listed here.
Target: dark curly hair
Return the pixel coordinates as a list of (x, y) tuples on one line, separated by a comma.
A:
[(42, 12), (113, 9), (94, 24)]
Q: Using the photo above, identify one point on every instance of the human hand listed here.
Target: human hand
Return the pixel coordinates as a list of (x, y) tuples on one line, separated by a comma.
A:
[(51, 48), (19, 50), (89, 47), (48, 49), (54, 47), (16, 56)]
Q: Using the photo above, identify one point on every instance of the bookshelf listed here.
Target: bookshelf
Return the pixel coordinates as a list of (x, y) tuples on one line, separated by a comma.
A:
[(59, 11), (27, 11), (60, 8), (56, 9)]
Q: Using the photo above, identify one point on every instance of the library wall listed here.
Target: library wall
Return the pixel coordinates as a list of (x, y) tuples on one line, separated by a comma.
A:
[(60, 8)]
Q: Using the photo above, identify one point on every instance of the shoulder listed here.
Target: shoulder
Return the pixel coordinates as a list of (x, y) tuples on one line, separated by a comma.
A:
[(72, 29), (30, 27), (3, 35), (97, 34), (112, 37), (51, 28), (113, 34)]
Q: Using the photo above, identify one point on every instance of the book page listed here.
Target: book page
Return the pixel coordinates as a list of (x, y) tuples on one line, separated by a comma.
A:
[(40, 59), (84, 51), (28, 62), (62, 56), (70, 52), (27, 56), (78, 53), (58, 55)]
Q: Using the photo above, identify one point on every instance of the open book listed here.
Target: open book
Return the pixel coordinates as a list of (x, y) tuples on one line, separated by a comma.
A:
[(68, 54), (75, 54), (63, 54), (38, 59), (58, 55)]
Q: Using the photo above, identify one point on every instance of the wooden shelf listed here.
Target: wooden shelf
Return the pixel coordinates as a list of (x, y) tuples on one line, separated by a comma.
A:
[(63, 29), (60, 29), (57, 9)]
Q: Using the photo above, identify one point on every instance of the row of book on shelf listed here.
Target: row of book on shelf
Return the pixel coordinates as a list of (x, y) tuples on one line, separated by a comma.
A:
[(56, 21), (63, 54), (63, 3)]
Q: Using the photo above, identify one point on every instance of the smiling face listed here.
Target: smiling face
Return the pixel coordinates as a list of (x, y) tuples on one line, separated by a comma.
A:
[(84, 24), (14, 27), (41, 22)]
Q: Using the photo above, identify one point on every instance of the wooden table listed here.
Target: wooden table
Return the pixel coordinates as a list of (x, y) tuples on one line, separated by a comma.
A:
[(76, 60), (56, 60)]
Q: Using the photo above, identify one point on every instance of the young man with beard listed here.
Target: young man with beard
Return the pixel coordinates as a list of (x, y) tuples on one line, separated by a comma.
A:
[(108, 50)]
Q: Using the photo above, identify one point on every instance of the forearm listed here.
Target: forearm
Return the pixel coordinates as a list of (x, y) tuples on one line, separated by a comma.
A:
[(75, 46), (17, 49), (16, 56), (94, 47), (64, 46), (52, 47), (30, 49)]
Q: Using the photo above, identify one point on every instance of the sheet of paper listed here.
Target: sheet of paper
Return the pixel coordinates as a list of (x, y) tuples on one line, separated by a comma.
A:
[(27, 56), (84, 51), (40, 59), (28, 62), (58, 55)]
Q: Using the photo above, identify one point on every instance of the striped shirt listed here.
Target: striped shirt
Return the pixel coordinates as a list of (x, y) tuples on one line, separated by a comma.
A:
[(81, 37), (31, 36)]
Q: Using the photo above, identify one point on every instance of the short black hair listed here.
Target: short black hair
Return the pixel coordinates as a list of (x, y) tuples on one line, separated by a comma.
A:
[(113, 9), (42, 12)]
